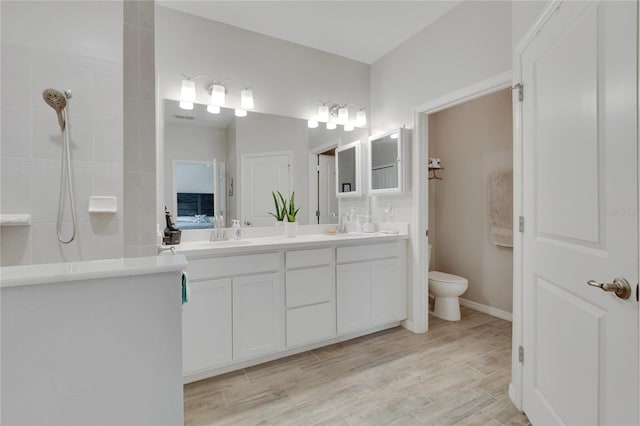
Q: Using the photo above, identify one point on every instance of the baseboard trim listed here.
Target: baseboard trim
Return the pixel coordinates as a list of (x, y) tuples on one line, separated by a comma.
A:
[(494, 312)]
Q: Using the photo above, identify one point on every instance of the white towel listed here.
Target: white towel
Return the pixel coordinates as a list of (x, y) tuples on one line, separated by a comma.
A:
[(501, 208)]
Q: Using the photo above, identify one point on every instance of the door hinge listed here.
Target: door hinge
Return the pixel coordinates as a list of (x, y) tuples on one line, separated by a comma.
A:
[(521, 224), (318, 168), (426, 234), (521, 354), (317, 213), (520, 88)]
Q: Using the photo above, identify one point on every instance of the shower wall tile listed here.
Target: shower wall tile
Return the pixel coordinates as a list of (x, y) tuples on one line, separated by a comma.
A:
[(16, 132), (108, 91), (108, 146), (139, 131), (16, 178), (132, 61), (147, 14), (46, 248), (16, 76), (88, 60), (147, 65), (131, 12), (15, 246)]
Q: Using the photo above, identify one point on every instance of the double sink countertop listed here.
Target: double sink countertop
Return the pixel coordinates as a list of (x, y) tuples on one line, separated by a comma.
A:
[(258, 242)]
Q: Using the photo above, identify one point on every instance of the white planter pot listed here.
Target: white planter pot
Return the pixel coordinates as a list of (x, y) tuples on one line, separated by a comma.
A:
[(290, 229)]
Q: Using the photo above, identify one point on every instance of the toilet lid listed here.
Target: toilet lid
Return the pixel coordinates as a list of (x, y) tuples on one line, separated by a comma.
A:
[(446, 278)]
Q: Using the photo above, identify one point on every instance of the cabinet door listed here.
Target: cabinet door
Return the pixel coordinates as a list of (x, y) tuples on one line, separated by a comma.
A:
[(354, 297), (206, 326), (388, 292), (257, 315)]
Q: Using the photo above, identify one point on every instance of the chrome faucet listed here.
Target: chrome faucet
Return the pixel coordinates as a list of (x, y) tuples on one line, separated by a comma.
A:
[(218, 233), (162, 249)]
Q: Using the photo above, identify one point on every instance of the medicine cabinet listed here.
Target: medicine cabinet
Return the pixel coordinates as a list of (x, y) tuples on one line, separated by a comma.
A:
[(348, 182), (386, 162)]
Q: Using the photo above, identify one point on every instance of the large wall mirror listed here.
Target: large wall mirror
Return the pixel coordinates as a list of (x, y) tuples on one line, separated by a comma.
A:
[(243, 159), (386, 165)]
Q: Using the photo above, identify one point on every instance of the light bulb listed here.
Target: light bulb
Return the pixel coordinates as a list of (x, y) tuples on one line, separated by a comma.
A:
[(343, 116), (187, 94), (312, 124), (323, 113), (361, 118), (217, 94), (186, 105), (246, 99), (331, 125), (348, 127), (213, 109), (241, 112)]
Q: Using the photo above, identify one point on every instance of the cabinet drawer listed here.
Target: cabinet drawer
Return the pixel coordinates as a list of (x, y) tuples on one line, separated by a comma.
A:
[(200, 269), (310, 324), (309, 286), (368, 252), (304, 258)]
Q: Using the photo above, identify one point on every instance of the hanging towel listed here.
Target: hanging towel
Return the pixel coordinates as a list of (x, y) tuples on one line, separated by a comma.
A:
[(186, 291), (501, 208)]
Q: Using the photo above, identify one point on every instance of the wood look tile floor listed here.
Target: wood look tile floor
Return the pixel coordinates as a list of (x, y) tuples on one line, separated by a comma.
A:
[(456, 374)]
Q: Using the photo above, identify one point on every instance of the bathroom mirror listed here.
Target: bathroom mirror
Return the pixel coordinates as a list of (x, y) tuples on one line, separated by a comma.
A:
[(348, 167), (386, 162), (198, 193), (259, 142)]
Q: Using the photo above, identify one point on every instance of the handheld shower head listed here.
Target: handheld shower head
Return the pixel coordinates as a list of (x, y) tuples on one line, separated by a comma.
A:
[(58, 102)]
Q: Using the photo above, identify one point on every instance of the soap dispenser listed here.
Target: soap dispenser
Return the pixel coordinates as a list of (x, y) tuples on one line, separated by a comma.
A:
[(236, 230), (171, 233)]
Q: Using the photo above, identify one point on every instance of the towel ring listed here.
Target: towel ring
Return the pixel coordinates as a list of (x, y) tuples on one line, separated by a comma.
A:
[(432, 173)]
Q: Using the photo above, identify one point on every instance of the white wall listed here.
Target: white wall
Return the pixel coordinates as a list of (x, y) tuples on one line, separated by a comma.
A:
[(470, 43), (473, 140), (62, 45)]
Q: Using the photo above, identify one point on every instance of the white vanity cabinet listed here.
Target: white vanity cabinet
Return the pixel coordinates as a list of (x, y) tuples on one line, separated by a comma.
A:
[(371, 286), (206, 326), (234, 312), (310, 296)]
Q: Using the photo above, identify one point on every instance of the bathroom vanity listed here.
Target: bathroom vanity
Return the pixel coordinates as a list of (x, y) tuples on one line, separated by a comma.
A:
[(259, 299)]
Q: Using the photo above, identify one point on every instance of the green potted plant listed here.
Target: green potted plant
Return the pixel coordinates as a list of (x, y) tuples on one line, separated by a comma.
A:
[(280, 208), (291, 225)]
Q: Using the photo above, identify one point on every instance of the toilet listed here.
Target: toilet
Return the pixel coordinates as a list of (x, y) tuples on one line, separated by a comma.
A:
[(446, 288)]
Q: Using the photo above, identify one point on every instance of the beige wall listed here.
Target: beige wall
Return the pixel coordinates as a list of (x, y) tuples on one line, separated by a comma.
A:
[(473, 140)]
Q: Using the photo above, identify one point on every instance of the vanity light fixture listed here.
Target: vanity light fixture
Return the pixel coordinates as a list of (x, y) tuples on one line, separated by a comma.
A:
[(312, 124), (394, 136), (335, 112), (217, 92), (187, 94)]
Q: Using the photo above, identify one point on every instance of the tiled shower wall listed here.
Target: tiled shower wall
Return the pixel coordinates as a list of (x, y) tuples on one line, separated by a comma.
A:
[(84, 53), (139, 130)]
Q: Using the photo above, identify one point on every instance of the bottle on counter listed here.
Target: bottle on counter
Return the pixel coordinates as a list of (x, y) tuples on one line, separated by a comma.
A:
[(236, 230)]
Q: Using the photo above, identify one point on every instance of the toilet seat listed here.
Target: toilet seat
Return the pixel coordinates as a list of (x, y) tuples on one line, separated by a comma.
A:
[(443, 277)]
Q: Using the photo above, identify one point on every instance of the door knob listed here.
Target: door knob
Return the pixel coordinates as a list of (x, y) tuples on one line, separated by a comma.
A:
[(619, 286)]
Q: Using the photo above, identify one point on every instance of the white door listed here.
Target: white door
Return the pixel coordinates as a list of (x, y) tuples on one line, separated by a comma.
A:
[(262, 174), (580, 206), (327, 200)]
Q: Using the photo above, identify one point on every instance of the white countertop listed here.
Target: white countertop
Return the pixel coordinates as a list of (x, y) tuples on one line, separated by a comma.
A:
[(13, 276), (280, 242)]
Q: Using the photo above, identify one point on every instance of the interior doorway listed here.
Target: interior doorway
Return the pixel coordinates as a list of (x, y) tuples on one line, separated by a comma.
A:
[(323, 202)]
